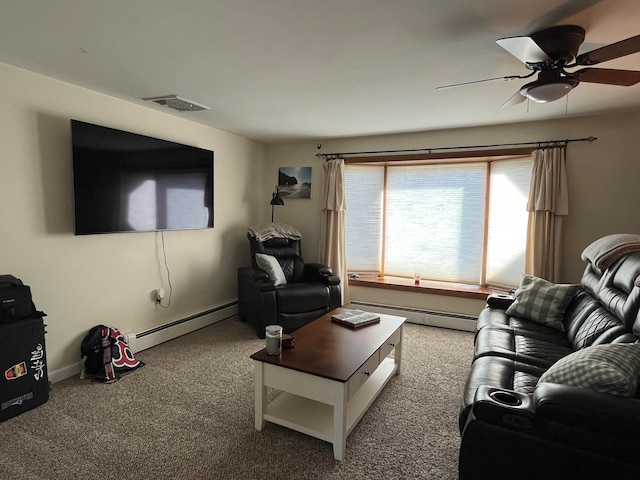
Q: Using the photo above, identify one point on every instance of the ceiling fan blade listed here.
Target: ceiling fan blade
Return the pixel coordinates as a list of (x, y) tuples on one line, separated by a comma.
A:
[(608, 76), (609, 52), (472, 82), (515, 99), (524, 49)]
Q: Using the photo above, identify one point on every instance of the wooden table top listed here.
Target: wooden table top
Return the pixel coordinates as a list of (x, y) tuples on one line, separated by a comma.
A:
[(327, 349)]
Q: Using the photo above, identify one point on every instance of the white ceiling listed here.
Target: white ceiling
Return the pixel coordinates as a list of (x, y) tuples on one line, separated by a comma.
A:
[(282, 70)]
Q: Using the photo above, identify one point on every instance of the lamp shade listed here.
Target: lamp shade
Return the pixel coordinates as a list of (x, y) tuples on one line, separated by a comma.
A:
[(543, 91), (276, 199)]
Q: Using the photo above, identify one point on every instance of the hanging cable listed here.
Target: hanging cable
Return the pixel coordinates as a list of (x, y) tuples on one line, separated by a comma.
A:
[(166, 266)]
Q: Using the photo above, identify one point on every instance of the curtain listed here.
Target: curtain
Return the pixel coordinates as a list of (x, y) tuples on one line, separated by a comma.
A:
[(332, 251), (548, 204)]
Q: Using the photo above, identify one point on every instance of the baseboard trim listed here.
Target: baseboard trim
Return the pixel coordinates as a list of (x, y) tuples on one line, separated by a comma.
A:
[(454, 321), (65, 372), (155, 336)]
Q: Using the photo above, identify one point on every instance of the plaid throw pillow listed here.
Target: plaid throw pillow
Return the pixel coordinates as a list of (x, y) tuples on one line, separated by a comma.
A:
[(612, 368), (541, 301)]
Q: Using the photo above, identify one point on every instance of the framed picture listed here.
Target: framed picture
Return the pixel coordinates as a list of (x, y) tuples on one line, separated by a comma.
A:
[(294, 182)]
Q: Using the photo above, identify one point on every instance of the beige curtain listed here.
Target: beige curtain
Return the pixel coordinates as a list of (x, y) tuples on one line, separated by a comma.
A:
[(332, 229), (548, 204)]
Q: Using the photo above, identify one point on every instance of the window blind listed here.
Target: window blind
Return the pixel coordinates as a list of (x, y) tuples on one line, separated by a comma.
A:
[(435, 221), (507, 225), (435, 216), (363, 217)]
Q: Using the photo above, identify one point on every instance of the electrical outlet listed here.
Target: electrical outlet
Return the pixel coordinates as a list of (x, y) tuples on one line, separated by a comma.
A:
[(160, 294)]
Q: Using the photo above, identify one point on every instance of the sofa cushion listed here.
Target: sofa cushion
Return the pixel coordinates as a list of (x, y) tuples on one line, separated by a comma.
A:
[(538, 345), (541, 301), (600, 326), (270, 265), (301, 297), (612, 368)]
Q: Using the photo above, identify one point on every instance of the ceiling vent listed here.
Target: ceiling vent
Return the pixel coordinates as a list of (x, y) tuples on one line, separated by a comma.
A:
[(177, 103)]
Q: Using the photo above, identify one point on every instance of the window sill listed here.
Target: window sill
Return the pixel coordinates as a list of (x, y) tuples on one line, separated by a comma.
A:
[(426, 286)]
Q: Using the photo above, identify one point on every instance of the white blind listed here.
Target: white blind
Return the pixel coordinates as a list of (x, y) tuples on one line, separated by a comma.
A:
[(363, 217), (507, 234), (435, 220), (435, 216)]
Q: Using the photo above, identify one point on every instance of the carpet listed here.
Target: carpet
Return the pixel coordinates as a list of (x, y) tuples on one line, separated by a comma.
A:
[(188, 414)]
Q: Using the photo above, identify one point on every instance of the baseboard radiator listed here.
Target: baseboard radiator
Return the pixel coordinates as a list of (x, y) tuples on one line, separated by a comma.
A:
[(155, 336), (454, 321), (168, 331)]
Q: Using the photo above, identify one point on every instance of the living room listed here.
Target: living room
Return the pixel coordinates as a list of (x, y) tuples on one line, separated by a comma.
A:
[(76, 280), (81, 281)]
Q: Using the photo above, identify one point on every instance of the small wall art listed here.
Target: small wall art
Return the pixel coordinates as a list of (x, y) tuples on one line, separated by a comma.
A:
[(294, 182)]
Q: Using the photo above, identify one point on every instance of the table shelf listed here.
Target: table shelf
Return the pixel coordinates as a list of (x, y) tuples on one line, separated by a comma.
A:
[(315, 418)]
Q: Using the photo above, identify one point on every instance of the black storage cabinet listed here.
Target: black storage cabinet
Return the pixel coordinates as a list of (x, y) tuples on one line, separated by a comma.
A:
[(24, 381)]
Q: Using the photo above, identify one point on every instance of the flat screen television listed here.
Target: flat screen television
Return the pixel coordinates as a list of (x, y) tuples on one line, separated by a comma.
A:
[(126, 182)]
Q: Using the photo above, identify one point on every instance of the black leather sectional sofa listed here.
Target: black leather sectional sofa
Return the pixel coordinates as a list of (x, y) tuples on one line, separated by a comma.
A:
[(554, 402)]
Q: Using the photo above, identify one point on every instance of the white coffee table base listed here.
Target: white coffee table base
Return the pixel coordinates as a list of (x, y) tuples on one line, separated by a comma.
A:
[(317, 406)]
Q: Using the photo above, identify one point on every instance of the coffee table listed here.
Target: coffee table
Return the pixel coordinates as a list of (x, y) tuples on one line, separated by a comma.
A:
[(329, 378)]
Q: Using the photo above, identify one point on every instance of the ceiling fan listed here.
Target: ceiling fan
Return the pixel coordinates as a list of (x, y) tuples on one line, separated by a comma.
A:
[(549, 53)]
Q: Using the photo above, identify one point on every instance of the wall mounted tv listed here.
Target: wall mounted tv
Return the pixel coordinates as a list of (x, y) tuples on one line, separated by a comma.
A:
[(125, 182)]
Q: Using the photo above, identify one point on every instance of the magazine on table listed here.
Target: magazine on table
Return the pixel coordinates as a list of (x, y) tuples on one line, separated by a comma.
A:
[(355, 318)]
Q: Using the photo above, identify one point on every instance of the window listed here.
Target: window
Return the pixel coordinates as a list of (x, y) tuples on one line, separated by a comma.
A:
[(365, 193), (457, 222), (508, 218)]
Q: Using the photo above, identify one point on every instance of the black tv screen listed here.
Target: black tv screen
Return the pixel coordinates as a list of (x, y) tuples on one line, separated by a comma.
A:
[(125, 182)]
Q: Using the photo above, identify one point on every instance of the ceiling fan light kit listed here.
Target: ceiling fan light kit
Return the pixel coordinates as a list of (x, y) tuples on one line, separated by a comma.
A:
[(544, 91), (550, 52)]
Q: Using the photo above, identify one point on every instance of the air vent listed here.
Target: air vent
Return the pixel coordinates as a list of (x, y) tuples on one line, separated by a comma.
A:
[(177, 103)]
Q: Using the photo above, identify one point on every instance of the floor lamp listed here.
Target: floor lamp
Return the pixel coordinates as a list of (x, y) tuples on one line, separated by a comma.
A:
[(275, 200)]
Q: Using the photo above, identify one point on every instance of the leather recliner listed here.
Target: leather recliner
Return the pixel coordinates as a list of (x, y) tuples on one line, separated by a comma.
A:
[(311, 289), (513, 426)]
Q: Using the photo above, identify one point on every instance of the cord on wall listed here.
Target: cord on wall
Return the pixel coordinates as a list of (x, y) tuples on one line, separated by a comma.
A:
[(166, 266)]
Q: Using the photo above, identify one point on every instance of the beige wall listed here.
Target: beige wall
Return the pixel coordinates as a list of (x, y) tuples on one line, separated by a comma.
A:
[(81, 281), (603, 179)]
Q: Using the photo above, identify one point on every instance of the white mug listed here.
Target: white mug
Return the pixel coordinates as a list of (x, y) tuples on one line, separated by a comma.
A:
[(273, 335)]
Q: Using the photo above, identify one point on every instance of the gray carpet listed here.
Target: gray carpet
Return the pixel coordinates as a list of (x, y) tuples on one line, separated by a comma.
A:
[(188, 414)]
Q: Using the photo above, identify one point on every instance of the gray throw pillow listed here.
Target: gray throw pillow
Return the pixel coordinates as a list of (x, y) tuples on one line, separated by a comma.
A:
[(270, 264), (542, 302), (612, 368)]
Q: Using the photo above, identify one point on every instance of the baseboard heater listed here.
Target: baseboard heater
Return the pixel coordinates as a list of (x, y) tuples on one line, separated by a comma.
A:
[(160, 334), (168, 331), (455, 321)]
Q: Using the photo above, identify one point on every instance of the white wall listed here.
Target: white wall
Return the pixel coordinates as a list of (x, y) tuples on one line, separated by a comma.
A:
[(81, 281), (603, 179)]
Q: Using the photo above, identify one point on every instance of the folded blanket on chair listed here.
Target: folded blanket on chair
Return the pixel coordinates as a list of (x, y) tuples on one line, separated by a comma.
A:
[(606, 250), (267, 231)]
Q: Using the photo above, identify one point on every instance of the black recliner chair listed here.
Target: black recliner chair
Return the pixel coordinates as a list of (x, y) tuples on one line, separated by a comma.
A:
[(311, 289)]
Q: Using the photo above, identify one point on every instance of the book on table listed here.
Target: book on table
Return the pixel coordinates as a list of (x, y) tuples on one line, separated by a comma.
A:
[(355, 318)]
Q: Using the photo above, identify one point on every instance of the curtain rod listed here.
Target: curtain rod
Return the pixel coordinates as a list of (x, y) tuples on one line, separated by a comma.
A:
[(429, 150)]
